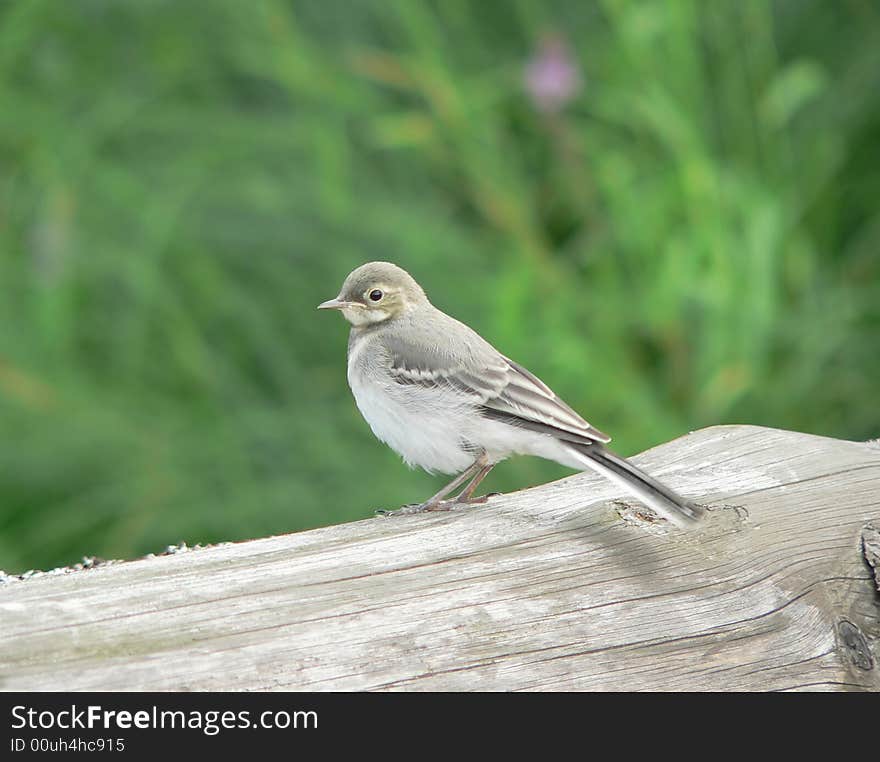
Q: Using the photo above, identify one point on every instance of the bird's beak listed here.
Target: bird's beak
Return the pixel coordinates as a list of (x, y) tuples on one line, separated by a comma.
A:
[(335, 304)]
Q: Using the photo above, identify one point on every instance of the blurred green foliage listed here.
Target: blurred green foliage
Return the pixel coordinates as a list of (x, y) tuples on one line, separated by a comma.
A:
[(693, 239)]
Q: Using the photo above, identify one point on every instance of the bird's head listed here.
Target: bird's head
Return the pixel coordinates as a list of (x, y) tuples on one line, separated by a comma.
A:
[(375, 292)]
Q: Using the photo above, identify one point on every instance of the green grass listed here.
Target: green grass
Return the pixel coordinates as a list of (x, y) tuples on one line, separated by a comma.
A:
[(693, 240)]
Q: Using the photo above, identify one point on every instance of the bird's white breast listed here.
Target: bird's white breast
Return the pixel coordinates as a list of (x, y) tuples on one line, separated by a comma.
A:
[(409, 419)]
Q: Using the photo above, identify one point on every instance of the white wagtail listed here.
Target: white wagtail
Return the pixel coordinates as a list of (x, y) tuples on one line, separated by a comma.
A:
[(446, 400)]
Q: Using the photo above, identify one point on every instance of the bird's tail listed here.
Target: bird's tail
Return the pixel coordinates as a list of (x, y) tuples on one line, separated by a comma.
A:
[(653, 493)]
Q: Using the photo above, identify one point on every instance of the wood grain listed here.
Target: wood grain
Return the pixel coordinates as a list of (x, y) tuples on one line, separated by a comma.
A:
[(562, 587)]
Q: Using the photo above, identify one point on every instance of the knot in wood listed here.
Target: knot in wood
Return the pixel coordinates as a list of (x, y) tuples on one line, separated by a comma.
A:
[(855, 644)]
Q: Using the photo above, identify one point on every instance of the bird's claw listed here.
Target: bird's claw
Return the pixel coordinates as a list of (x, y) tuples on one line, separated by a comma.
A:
[(405, 510), (442, 505), (478, 500)]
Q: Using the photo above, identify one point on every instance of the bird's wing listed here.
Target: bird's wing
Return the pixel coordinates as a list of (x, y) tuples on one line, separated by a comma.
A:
[(501, 388)]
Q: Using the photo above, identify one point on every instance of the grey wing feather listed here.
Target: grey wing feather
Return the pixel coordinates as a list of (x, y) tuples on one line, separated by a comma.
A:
[(503, 389), (531, 400)]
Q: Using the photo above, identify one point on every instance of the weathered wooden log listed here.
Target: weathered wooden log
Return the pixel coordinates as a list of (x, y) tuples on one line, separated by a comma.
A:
[(568, 586)]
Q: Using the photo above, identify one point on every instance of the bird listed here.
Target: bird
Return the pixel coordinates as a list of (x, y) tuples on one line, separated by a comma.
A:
[(443, 398)]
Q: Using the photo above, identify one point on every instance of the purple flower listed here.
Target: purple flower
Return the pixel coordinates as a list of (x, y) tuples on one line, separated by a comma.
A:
[(551, 77)]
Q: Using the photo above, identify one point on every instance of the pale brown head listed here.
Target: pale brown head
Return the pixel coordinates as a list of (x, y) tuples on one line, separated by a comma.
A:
[(375, 292)]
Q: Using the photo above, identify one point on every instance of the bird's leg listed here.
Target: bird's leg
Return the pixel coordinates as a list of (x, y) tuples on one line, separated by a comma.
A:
[(467, 492), (436, 502)]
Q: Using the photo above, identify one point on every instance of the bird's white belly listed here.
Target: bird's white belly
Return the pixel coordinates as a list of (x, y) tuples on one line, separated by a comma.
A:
[(411, 423)]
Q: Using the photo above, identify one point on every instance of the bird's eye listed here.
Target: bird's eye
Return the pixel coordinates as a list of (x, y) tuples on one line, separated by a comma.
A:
[(376, 295)]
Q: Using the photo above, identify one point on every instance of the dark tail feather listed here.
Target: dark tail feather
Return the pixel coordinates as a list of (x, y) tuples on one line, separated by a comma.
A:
[(653, 493)]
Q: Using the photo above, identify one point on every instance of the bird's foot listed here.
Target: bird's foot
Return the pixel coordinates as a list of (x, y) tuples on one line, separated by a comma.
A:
[(437, 505), (477, 500)]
